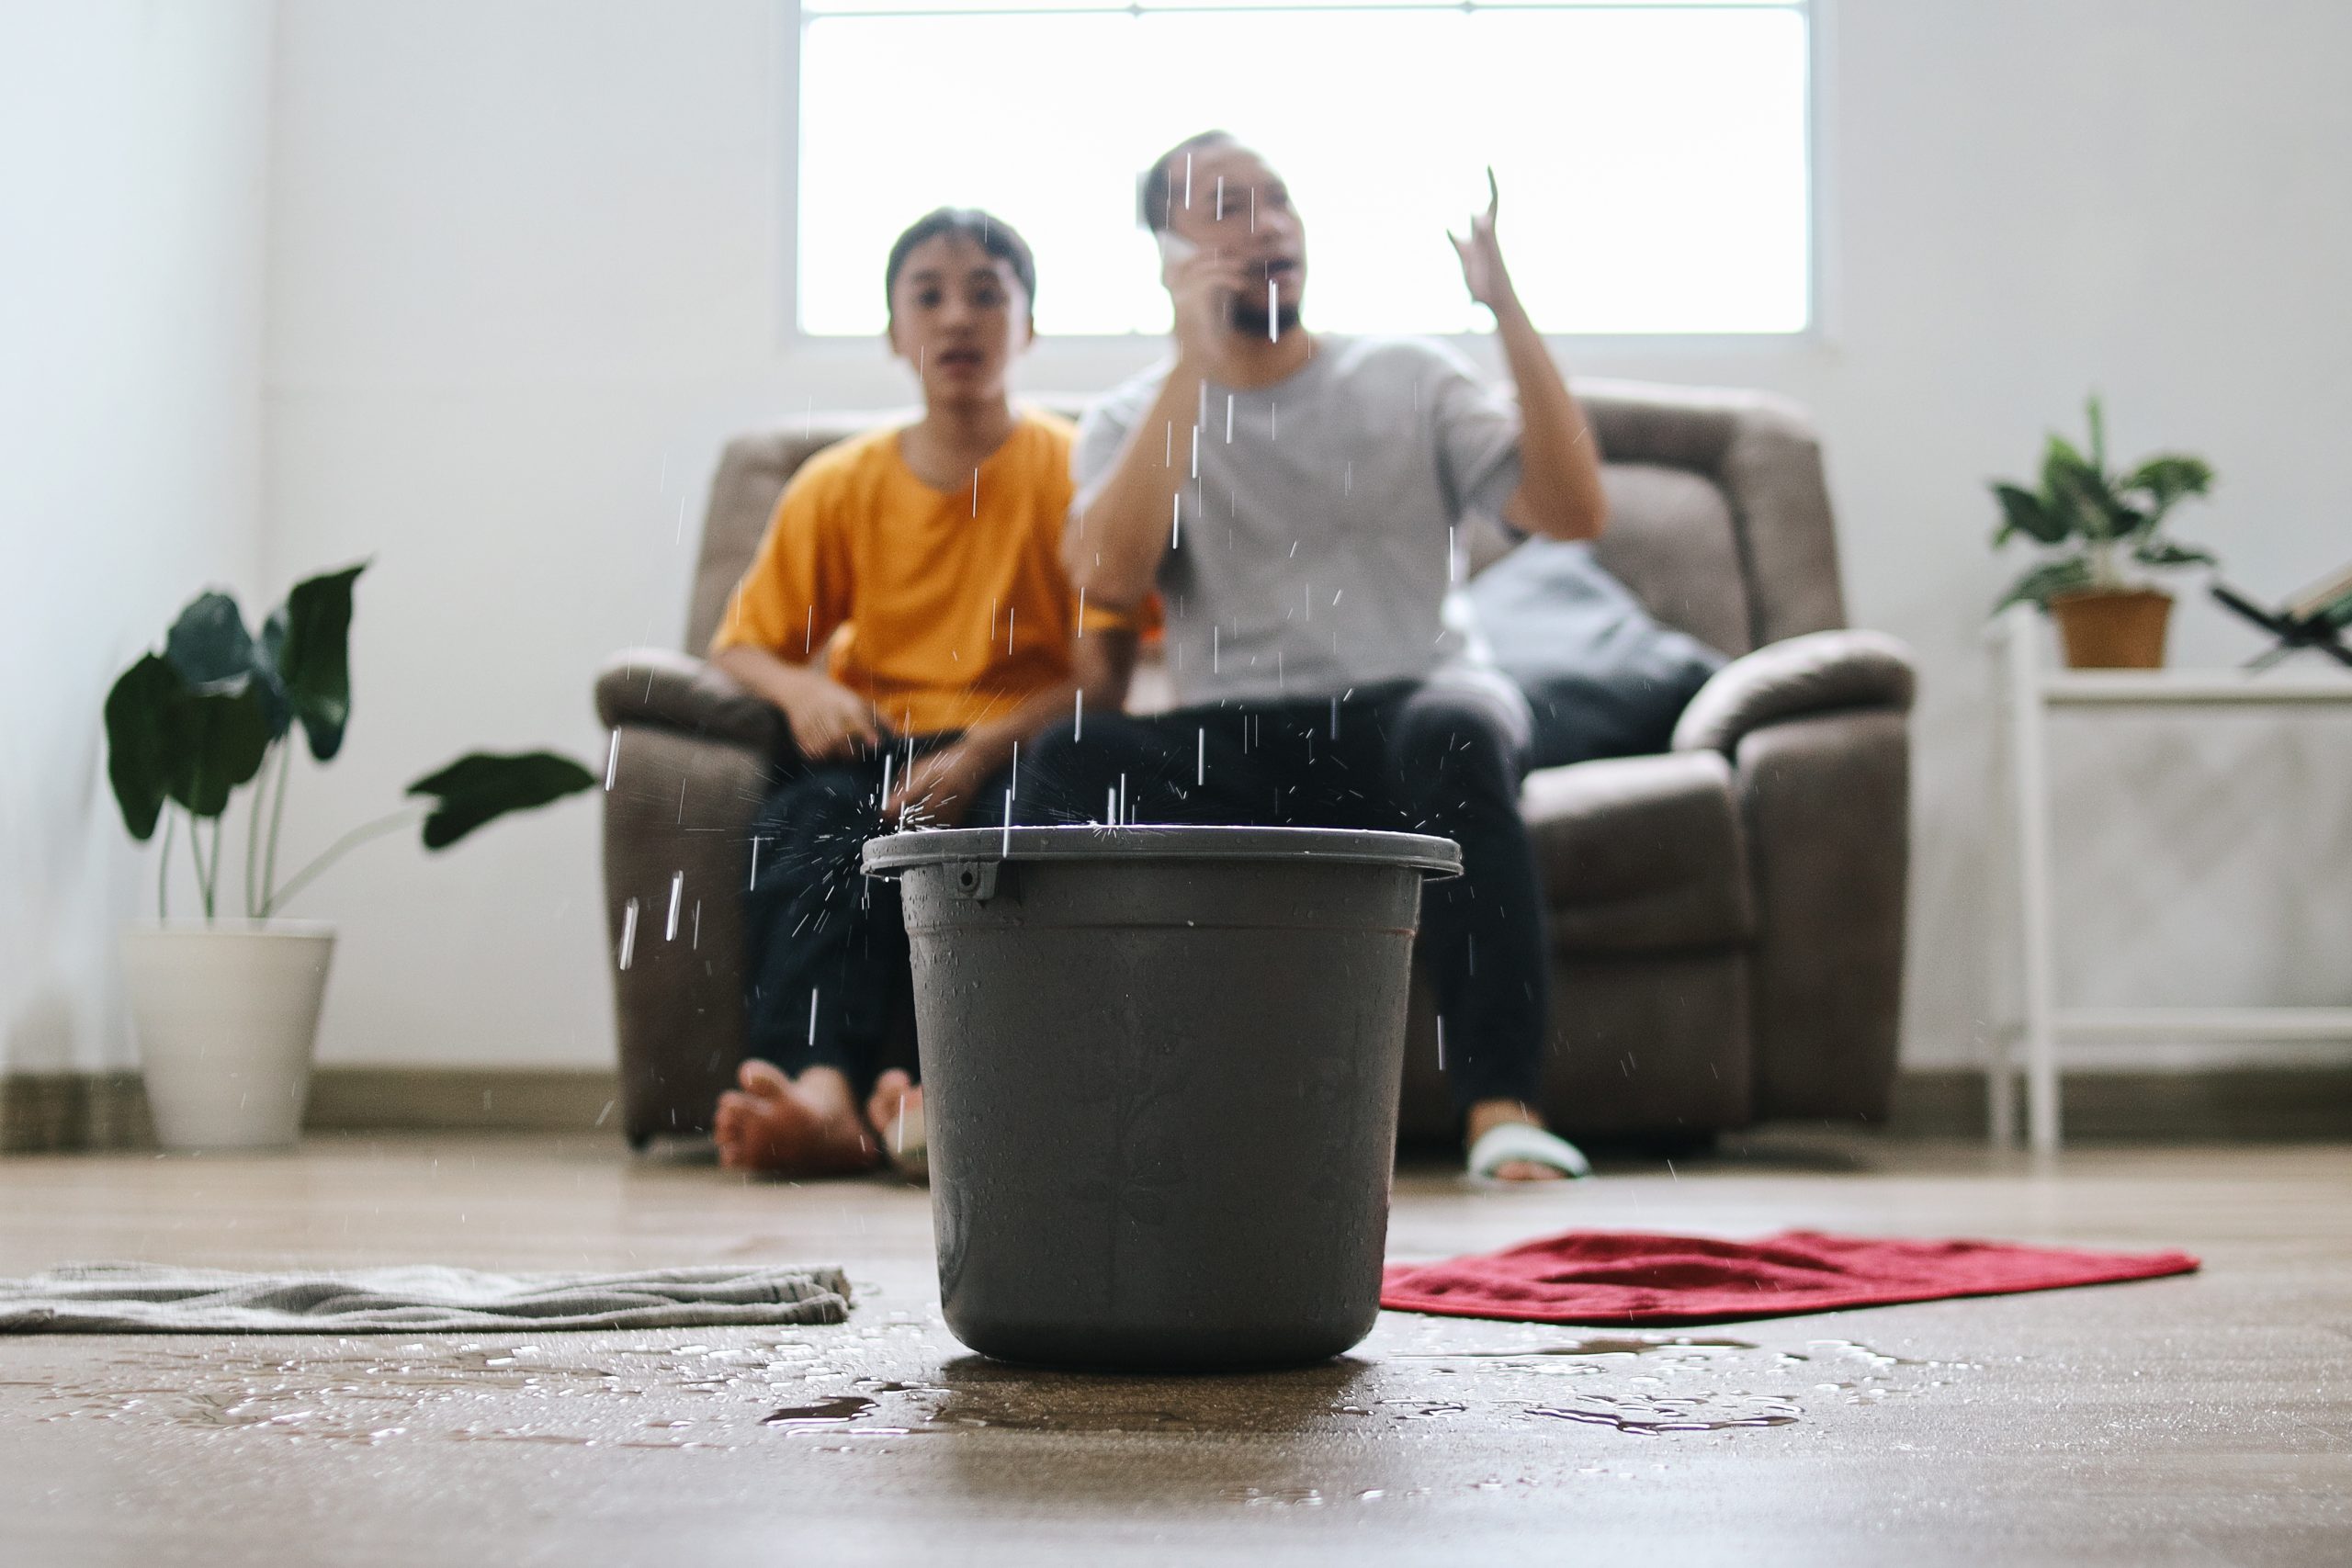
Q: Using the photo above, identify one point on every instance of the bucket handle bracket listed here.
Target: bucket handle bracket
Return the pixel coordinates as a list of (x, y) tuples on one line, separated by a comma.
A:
[(974, 879)]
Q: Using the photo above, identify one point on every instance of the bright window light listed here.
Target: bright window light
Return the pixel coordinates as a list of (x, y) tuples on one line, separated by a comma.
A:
[(1653, 157)]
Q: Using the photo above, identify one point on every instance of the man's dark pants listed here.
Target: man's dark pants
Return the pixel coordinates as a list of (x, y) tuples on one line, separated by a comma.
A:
[(1444, 757)]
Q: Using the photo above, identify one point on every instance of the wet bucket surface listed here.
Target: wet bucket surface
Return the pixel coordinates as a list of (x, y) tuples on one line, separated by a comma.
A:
[(1160, 1069)]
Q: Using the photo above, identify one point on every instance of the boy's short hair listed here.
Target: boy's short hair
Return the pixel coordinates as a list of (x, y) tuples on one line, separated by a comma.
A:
[(992, 234), (1155, 190)]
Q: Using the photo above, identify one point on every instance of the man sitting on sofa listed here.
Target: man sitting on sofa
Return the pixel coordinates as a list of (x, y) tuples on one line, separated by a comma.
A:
[(1295, 497)]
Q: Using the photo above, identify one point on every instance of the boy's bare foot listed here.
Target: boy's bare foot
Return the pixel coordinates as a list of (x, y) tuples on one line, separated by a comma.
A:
[(895, 1108), (1488, 1114), (895, 1112), (804, 1126)]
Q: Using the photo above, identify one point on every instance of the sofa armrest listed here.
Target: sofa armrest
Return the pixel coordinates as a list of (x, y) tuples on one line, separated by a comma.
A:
[(1818, 672), (678, 853), (655, 687), (1640, 854), (1826, 800)]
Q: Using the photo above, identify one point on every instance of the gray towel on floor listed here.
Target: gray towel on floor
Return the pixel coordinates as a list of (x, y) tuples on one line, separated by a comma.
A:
[(147, 1298)]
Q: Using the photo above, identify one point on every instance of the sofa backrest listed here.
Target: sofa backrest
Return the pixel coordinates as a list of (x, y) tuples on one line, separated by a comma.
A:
[(1719, 511)]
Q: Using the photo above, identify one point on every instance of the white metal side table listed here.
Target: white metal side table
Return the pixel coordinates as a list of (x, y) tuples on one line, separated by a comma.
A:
[(2032, 697)]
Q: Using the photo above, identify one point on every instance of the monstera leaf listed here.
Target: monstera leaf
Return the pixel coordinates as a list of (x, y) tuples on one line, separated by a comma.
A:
[(135, 754), (208, 644), (482, 786), (213, 652), (170, 739), (213, 741), (306, 645), (196, 721)]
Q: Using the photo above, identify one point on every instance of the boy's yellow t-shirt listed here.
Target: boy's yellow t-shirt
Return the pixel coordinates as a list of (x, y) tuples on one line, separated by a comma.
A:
[(953, 608)]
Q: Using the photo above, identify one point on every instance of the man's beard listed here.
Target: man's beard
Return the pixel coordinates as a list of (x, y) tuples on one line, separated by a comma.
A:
[(1247, 315)]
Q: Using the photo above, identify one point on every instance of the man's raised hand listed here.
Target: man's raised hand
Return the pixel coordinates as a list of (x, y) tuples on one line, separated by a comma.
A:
[(1482, 257)]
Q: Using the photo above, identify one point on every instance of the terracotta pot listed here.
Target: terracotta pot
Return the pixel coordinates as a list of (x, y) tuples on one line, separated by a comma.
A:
[(2107, 628)]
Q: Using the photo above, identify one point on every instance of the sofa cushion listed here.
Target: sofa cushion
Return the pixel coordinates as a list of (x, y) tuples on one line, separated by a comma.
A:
[(1671, 539), (1640, 854), (1760, 453), (1602, 678)]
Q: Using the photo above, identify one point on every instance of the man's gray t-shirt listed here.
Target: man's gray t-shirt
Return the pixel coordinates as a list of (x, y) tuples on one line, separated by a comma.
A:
[(1315, 549)]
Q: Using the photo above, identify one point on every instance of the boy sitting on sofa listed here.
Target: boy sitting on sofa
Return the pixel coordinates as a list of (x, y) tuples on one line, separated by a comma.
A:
[(909, 612)]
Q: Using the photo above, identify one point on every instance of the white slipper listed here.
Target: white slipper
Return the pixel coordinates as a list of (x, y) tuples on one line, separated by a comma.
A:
[(1522, 1140)]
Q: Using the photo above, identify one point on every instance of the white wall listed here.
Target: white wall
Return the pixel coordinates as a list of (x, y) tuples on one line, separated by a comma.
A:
[(527, 266), (132, 181)]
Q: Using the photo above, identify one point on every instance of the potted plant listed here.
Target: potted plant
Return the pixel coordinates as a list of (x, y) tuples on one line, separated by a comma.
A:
[(2091, 521), (226, 1013)]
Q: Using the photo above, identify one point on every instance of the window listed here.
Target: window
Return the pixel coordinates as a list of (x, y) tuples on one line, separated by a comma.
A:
[(1651, 156)]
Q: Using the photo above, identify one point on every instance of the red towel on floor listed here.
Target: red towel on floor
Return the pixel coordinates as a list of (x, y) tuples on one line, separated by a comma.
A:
[(1611, 1277)]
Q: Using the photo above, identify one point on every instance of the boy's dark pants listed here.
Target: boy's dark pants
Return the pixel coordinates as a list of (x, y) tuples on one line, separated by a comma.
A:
[(825, 945), (1435, 757)]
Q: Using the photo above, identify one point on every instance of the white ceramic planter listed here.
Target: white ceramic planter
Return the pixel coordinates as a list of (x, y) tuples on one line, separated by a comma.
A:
[(226, 1016)]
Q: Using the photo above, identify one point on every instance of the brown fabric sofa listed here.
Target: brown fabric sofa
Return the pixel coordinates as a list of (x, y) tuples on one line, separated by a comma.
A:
[(1726, 917)]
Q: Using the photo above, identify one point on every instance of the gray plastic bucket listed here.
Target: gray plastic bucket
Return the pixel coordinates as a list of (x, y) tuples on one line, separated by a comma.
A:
[(1160, 1067)]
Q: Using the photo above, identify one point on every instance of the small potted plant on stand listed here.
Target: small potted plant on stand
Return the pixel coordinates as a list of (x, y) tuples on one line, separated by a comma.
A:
[(226, 1013), (2091, 523)]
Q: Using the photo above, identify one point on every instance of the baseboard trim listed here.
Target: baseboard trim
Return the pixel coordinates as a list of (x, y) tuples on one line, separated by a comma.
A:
[(45, 1112), (2263, 1104), (52, 1112), (506, 1099), (59, 1112)]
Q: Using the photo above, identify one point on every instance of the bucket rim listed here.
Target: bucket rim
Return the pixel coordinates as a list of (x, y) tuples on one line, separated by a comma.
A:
[(1425, 852)]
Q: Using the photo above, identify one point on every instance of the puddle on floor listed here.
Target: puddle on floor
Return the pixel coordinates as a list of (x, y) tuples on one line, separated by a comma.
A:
[(1417, 1410), (1655, 1384), (1696, 1412), (1588, 1348), (898, 1381), (1817, 1349), (965, 1415), (831, 1411), (590, 1392)]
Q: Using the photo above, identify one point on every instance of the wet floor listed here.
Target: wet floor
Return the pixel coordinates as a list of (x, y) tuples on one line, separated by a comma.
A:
[(2200, 1420), (908, 1378)]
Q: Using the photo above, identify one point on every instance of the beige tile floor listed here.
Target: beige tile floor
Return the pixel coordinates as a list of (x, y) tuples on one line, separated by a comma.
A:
[(2200, 1420)]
